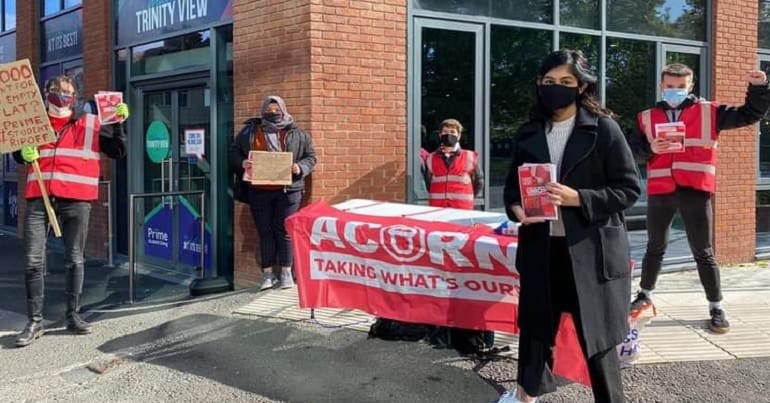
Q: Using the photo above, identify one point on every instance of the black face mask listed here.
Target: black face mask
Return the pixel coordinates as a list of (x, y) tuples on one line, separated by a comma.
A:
[(273, 117), (555, 96), (448, 140)]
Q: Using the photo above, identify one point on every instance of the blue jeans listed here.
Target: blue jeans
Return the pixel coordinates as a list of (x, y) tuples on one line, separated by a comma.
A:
[(73, 216)]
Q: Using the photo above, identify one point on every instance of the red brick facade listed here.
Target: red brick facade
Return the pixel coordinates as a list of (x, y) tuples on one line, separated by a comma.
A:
[(341, 67), (734, 51)]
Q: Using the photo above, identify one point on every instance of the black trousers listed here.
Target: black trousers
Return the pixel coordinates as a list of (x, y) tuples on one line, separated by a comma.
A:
[(695, 209), (270, 208), (536, 358)]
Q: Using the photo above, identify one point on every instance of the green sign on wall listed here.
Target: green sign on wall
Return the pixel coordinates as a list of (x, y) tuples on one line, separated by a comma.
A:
[(157, 141)]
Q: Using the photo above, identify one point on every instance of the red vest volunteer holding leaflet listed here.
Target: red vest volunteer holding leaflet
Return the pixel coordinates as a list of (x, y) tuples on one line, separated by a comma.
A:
[(70, 169), (681, 174)]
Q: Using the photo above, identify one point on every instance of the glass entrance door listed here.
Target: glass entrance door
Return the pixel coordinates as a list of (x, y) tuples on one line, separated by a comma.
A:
[(176, 146), (449, 81)]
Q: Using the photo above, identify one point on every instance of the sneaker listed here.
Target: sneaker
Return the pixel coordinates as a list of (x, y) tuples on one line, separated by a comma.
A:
[(268, 281), (718, 322), (641, 300), (287, 281), (510, 397)]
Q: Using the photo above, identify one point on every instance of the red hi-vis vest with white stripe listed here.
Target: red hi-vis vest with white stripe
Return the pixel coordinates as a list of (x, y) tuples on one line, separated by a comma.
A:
[(695, 167), (452, 186), (70, 166)]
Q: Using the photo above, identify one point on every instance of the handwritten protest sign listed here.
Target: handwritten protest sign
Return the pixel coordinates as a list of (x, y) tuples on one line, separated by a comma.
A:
[(24, 120)]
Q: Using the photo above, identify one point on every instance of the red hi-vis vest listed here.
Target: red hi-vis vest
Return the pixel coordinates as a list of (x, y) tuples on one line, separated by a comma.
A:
[(696, 166), (452, 186), (70, 166)]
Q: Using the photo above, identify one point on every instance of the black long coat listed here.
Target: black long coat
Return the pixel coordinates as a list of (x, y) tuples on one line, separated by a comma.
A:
[(598, 163)]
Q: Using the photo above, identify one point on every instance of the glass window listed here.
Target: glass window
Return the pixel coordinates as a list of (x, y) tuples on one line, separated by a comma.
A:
[(579, 13), (468, 7), (516, 54), (764, 135), (672, 18), (448, 78), (51, 7), (764, 24), (524, 10), (9, 14), (691, 60), (72, 3), (184, 51), (763, 218), (47, 73)]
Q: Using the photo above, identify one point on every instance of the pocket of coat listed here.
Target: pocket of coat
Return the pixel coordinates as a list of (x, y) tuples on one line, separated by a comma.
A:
[(615, 252)]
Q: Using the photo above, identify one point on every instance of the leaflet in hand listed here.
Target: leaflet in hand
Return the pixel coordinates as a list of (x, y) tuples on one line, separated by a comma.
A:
[(534, 196), (106, 103), (674, 132)]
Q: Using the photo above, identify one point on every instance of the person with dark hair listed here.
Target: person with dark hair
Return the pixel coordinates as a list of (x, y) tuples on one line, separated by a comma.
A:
[(578, 264), (685, 180), (273, 131), (70, 167)]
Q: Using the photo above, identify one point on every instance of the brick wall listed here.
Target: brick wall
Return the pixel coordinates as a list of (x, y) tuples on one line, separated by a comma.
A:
[(341, 66), (97, 16), (734, 52), (271, 53), (27, 43)]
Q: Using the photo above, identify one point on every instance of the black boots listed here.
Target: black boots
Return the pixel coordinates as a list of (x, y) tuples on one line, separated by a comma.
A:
[(74, 322), (34, 328)]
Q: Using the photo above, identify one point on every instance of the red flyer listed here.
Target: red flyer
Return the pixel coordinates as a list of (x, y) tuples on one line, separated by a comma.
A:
[(674, 132), (534, 197), (106, 102)]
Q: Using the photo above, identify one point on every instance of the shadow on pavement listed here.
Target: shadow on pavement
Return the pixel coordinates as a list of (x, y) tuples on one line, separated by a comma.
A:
[(288, 363)]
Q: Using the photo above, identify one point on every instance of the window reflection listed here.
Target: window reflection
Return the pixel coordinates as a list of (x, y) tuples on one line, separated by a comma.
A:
[(763, 218), (172, 54), (764, 24), (523, 10), (672, 18), (579, 13), (9, 14), (516, 54)]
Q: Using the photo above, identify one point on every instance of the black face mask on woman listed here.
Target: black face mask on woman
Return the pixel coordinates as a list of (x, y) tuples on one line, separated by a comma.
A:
[(556, 96)]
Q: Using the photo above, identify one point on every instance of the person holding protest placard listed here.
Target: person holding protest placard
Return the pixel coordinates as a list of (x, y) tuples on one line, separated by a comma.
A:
[(579, 263), (273, 131), (70, 169)]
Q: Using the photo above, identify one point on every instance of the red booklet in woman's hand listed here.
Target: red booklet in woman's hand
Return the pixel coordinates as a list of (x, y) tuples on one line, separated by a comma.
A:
[(534, 196)]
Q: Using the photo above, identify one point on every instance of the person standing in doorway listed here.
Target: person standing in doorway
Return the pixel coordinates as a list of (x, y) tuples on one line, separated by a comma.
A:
[(71, 171), (578, 264), (452, 175), (684, 178), (274, 131)]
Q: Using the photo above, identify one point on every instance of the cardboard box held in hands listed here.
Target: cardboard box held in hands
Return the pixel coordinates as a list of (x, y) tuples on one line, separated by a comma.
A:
[(270, 168)]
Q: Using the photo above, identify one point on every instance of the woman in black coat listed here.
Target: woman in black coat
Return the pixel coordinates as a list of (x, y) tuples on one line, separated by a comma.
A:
[(579, 263)]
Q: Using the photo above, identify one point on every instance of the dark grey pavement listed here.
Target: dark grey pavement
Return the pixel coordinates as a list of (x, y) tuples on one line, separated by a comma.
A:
[(197, 350)]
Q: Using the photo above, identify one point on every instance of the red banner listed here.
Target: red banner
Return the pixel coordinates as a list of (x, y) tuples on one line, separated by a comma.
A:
[(416, 271), (406, 269)]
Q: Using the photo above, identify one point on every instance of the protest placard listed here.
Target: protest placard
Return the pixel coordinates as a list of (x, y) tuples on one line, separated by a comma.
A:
[(270, 168), (24, 120)]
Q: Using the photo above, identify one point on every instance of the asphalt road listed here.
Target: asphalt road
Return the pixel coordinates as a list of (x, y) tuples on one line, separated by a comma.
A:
[(199, 351)]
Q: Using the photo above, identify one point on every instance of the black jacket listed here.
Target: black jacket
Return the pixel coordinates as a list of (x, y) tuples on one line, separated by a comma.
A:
[(298, 142), (112, 139), (599, 165), (728, 117)]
